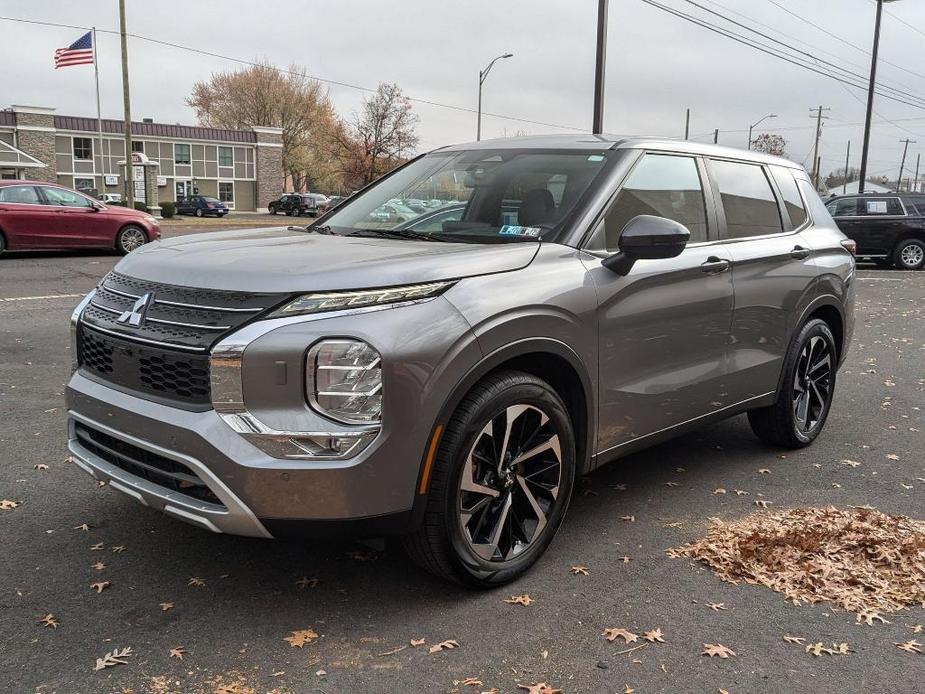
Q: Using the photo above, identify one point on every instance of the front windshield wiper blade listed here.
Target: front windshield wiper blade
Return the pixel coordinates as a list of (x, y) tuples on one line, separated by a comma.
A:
[(396, 234)]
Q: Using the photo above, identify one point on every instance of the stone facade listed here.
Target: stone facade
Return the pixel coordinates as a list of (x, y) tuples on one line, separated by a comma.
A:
[(269, 165), (35, 135)]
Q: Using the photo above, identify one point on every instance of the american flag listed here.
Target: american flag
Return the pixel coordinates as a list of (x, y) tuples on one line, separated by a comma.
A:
[(78, 53)]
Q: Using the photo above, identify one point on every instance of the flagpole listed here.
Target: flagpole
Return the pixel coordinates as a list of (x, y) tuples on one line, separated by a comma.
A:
[(99, 116)]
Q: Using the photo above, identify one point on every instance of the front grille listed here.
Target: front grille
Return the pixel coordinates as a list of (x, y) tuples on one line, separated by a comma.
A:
[(166, 354), (142, 463)]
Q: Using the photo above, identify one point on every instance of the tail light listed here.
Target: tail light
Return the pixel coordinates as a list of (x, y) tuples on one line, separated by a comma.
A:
[(210, 205), (850, 245)]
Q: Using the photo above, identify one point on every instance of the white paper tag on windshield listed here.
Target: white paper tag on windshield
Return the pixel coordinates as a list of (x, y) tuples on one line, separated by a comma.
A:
[(515, 230), (876, 207)]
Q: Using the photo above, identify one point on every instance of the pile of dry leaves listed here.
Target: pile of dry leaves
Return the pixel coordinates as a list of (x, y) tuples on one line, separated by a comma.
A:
[(860, 559)]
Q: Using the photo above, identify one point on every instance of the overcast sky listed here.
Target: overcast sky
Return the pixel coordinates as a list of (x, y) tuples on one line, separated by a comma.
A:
[(658, 65)]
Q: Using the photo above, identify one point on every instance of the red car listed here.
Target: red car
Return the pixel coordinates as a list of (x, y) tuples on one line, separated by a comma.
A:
[(36, 215)]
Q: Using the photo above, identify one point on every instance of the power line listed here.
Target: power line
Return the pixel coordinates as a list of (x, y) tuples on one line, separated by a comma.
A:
[(903, 21), (771, 51), (323, 80)]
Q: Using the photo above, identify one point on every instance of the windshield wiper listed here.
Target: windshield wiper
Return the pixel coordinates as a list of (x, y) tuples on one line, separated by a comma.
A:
[(396, 234)]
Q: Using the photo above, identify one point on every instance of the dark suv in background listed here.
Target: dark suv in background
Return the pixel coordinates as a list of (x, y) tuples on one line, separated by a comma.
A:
[(888, 229), (297, 204), (586, 298)]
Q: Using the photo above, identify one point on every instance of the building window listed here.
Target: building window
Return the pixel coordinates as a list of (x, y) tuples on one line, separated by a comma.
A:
[(181, 154), (226, 193), (225, 156), (83, 148), (138, 146), (84, 184)]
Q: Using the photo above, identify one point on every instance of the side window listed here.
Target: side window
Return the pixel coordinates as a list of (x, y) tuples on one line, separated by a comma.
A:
[(872, 207), (791, 194), (64, 197), (83, 148), (748, 199), (663, 185), (181, 154), (24, 195), (843, 207)]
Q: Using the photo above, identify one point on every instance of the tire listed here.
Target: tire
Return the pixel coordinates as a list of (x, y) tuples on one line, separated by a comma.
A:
[(198, 212), (129, 238), (909, 255), (800, 411), (446, 544), (272, 209)]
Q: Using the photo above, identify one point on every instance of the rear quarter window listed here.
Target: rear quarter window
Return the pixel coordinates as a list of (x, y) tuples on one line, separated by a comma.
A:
[(793, 201)]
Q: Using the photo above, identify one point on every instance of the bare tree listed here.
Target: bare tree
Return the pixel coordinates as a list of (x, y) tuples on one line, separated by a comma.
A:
[(379, 137), (289, 99), (769, 143)]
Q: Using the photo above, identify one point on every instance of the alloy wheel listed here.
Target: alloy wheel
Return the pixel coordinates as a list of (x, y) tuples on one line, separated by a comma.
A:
[(912, 255), (131, 239), (812, 384), (510, 483)]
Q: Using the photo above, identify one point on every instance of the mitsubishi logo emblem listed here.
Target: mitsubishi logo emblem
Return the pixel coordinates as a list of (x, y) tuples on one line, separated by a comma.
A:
[(136, 316)]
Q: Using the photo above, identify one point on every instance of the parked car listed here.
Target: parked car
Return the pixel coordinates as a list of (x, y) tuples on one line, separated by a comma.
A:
[(36, 215), (433, 221), (201, 206), (298, 204), (888, 228), (451, 385), (335, 200)]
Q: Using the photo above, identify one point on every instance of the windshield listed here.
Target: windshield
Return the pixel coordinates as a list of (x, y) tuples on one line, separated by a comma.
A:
[(479, 196)]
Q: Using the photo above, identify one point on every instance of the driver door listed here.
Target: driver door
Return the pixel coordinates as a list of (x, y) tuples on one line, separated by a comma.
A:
[(664, 327), (78, 222)]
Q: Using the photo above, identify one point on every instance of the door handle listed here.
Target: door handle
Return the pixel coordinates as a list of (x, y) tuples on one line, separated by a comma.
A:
[(715, 265), (799, 253)]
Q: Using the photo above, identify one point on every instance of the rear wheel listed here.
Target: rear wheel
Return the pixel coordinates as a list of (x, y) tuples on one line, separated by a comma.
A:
[(501, 483), (130, 238), (909, 255), (272, 209), (804, 400)]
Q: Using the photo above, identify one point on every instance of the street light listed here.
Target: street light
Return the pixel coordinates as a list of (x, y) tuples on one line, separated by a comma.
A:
[(482, 75), (870, 95), (755, 125)]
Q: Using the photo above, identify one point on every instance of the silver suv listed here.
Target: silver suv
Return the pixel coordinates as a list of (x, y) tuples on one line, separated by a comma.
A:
[(588, 297)]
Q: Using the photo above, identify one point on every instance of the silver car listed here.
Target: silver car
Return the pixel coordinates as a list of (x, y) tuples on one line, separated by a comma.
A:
[(593, 297)]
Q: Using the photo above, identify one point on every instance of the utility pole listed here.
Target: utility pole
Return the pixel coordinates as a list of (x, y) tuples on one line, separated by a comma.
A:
[(915, 185), (844, 187), (902, 164), (819, 118), (599, 64), (870, 94), (687, 125), (127, 105), (716, 136)]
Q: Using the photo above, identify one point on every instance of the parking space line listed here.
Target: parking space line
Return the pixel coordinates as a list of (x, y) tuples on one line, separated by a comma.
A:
[(39, 298)]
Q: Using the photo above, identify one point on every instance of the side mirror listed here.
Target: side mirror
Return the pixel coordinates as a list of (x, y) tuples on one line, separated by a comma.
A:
[(647, 237)]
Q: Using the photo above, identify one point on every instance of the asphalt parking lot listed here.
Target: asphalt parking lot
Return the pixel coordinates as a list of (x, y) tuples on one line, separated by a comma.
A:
[(367, 604)]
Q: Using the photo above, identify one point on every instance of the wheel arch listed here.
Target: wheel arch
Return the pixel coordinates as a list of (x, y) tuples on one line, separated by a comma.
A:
[(548, 359), (828, 309), (123, 227)]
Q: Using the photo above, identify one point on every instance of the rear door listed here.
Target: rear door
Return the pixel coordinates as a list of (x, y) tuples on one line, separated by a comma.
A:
[(762, 218), (663, 327), (880, 221), (25, 221)]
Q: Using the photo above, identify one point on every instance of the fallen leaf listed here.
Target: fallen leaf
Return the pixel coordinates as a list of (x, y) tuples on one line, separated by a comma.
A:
[(472, 682), (613, 634), (101, 586), (712, 649), (892, 456), (299, 638), (99, 566), (716, 606), (868, 617), (763, 471), (799, 640), (82, 526), (910, 646), (166, 606), (98, 546), (629, 519), (540, 688), (393, 651), (49, 620), (672, 484), (741, 492), (625, 559), (520, 600), (196, 582), (628, 689), (917, 629), (118, 549), (654, 635), (177, 652), (849, 463), (761, 503), (579, 570), (8, 505), (416, 642), (40, 466), (719, 490), (306, 582), (443, 646), (113, 658)]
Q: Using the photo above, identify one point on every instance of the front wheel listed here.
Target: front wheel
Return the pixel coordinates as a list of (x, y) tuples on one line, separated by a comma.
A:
[(130, 238), (501, 483), (198, 212), (805, 397), (909, 255)]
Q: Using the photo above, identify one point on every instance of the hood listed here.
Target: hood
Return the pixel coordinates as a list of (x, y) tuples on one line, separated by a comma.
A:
[(280, 260)]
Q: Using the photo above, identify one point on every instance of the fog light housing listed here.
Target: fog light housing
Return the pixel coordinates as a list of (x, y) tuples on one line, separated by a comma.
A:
[(344, 381)]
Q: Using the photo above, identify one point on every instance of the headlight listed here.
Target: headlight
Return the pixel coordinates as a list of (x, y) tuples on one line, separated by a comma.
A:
[(335, 301), (151, 220), (344, 380)]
